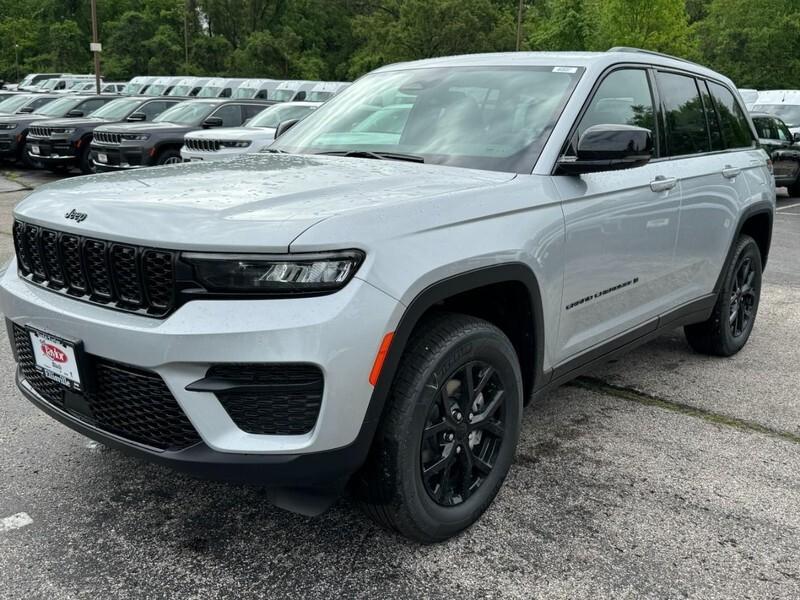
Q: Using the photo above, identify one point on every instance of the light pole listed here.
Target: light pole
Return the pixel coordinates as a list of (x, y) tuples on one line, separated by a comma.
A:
[(16, 59), (519, 24), (95, 46)]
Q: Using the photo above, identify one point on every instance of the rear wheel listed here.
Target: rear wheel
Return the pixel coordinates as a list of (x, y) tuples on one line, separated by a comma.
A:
[(449, 434), (169, 157), (728, 329)]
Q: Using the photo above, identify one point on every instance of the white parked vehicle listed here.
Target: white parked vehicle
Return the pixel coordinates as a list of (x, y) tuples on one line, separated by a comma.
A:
[(325, 90), (138, 85), (293, 90), (750, 97), (188, 87), (61, 85), (162, 86), (784, 104), (33, 81), (88, 87), (257, 134), (261, 89), (219, 87)]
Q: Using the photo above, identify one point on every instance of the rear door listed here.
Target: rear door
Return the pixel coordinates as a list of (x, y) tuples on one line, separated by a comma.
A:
[(709, 141), (621, 227)]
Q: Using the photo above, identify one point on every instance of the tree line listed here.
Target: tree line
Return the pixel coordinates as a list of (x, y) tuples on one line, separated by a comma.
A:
[(757, 44)]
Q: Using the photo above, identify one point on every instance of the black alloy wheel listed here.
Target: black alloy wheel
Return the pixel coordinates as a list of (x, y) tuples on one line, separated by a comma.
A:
[(463, 433)]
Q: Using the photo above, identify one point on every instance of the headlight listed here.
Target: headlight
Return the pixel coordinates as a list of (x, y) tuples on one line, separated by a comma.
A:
[(234, 144), (8, 125), (64, 130), (275, 274), (134, 137)]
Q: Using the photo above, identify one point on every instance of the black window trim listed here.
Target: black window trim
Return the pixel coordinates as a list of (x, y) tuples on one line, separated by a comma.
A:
[(706, 79), (590, 96)]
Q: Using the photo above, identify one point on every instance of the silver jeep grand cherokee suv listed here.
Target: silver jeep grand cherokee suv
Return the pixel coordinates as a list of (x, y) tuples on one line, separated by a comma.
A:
[(373, 301)]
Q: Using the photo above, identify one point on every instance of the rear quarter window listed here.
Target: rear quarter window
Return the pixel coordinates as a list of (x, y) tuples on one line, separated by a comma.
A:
[(735, 128), (684, 113)]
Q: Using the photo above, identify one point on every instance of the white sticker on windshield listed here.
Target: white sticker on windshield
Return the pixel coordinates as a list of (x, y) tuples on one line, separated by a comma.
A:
[(565, 69)]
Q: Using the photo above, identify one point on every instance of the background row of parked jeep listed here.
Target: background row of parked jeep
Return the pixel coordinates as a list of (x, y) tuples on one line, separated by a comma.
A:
[(58, 121)]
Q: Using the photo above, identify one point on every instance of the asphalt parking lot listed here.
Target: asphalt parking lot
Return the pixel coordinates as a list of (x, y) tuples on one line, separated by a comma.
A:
[(663, 474)]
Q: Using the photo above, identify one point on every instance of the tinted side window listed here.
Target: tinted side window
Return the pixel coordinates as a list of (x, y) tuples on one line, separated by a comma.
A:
[(735, 129), (623, 98), (91, 105), (226, 93), (153, 109), (231, 115), (782, 130), (714, 128), (251, 110), (683, 109), (765, 128)]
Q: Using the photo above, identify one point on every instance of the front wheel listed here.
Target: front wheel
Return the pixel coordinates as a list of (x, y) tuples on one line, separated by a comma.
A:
[(728, 329), (448, 436), (169, 157)]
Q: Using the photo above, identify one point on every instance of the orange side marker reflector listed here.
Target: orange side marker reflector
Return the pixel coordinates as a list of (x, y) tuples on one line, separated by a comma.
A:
[(381, 356)]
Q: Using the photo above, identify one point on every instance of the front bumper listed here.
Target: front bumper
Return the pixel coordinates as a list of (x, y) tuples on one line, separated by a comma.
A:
[(120, 158), (52, 152), (340, 333)]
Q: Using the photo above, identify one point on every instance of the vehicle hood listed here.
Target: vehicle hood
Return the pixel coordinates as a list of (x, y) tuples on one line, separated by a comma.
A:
[(148, 127), (259, 202), (74, 122), (233, 133)]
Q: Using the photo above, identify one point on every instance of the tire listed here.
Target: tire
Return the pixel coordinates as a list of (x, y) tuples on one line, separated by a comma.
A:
[(728, 329), (169, 157), (85, 162), (431, 376)]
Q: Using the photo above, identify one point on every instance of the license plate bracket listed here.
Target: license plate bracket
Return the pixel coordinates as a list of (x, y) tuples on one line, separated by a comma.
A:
[(60, 359)]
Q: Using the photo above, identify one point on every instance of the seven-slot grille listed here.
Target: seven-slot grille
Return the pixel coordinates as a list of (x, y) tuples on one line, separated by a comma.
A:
[(122, 276), (107, 137), (202, 145), (40, 131), (125, 401)]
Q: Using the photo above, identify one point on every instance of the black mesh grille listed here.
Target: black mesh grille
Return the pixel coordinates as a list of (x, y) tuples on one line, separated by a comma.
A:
[(126, 401), (125, 277), (272, 399)]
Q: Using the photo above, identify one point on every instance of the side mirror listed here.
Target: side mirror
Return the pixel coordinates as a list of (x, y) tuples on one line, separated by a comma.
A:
[(75, 113), (25, 110), (796, 137), (137, 116), (609, 148), (285, 126), (212, 122)]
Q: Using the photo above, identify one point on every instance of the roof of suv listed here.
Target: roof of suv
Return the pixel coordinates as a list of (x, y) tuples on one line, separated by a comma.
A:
[(575, 59)]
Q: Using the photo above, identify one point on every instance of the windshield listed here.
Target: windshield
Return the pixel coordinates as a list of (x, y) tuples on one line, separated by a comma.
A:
[(50, 84), (26, 80), (117, 109), (14, 103), (245, 92), (58, 108), (186, 113), (131, 89), (209, 92), (788, 113), (156, 90), (181, 90), (283, 95), (272, 116), (495, 118), (318, 96)]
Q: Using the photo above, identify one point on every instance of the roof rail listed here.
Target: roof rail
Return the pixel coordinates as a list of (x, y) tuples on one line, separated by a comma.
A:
[(651, 52)]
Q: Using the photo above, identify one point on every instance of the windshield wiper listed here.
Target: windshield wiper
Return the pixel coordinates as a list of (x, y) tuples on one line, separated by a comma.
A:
[(375, 155)]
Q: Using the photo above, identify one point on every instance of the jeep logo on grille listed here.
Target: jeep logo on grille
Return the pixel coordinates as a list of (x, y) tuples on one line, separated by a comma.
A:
[(75, 215)]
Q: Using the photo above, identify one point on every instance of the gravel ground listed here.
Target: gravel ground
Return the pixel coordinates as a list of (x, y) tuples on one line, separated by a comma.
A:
[(663, 475)]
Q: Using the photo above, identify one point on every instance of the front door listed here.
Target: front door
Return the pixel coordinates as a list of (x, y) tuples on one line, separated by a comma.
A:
[(620, 228)]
